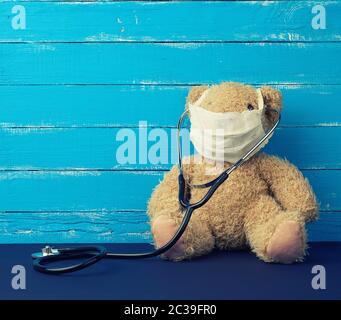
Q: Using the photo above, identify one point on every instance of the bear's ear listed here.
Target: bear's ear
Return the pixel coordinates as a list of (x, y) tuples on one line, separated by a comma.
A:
[(195, 93), (272, 98)]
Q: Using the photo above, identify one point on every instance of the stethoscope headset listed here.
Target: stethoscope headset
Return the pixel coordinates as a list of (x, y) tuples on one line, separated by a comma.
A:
[(93, 254)]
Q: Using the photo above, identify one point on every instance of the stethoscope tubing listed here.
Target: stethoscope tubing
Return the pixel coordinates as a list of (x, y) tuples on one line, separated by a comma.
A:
[(94, 254)]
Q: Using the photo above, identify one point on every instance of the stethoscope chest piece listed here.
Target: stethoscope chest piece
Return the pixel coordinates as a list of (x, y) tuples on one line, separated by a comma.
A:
[(46, 251)]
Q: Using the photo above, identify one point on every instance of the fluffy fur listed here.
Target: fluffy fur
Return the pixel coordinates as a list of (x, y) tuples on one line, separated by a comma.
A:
[(264, 204)]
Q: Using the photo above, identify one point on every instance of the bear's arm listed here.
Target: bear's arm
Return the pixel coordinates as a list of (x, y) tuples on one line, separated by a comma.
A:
[(288, 186), (164, 199)]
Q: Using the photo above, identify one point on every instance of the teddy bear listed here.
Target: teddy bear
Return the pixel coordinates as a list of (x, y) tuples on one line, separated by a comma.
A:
[(263, 205)]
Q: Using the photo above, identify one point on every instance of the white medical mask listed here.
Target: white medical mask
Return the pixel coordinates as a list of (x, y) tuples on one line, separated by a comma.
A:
[(226, 136)]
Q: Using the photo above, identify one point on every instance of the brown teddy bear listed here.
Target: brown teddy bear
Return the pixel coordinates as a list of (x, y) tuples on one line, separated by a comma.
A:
[(264, 204)]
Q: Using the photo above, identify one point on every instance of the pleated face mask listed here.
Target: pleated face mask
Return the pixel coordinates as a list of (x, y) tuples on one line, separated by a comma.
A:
[(226, 136)]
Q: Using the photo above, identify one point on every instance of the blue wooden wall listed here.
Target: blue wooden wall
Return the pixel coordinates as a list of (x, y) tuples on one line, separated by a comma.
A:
[(81, 71)]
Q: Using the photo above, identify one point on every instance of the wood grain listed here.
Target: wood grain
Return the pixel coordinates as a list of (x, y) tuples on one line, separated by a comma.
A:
[(170, 63), (112, 190), (125, 106), (76, 227), (171, 21), (99, 148), (99, 227)]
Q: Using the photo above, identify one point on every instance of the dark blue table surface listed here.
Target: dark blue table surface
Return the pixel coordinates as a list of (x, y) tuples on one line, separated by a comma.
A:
[(220, 275)]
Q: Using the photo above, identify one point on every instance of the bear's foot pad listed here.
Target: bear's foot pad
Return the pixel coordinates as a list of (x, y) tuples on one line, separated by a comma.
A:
[(286, 244)]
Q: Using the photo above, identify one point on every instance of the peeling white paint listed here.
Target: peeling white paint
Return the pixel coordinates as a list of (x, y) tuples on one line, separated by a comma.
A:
[(182, 45), (144, 173), (286, 36), (329, 124), (291, 86), (24, 232), (77, 173), (21, 131), (16, 40), (79, 3), (148, 39), (12, 175), (155, 3), (43, 47), (102, 37), (259, 3), (144, 235), (20, 126), (30, 130), (149, 82), (325, 93), (8, 125)]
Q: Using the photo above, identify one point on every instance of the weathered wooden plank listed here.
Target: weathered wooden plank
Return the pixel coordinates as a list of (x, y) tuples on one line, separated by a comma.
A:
[(173, 21), (101, 148), (81, 227), (327, 228), (46, 191), (76, 227), (110, 106), (110, 191), (155, 63)]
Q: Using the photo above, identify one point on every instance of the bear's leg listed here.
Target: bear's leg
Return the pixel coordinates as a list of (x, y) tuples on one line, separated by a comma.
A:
[(197, 239), (275, 235)]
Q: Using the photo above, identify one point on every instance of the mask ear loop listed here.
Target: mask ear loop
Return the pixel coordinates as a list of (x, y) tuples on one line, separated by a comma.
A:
[(237, 164), (260, 100), (179, 140)]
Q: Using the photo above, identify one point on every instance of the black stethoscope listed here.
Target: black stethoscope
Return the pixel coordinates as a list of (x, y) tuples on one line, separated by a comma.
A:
[(93, 254)]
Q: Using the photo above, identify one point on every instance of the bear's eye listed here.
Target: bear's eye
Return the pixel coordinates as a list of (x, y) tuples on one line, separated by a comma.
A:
[(250, 107)]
